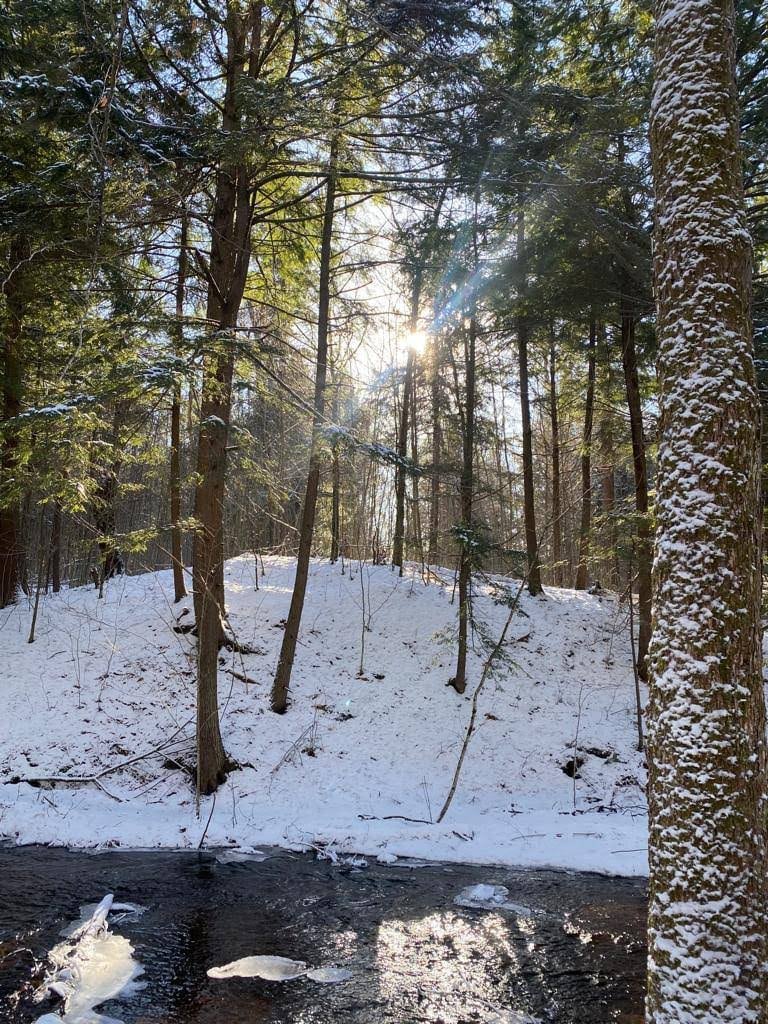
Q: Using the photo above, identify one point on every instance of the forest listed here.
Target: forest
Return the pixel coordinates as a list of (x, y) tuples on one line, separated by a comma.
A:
[(381, 459)]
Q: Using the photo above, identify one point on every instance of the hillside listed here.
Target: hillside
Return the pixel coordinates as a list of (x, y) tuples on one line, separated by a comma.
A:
[(108, 687)]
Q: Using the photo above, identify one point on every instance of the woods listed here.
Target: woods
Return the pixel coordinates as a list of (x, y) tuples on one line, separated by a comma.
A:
[(319, 309)]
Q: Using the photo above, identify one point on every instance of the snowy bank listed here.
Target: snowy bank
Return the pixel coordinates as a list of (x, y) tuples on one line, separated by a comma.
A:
[(361, 762)]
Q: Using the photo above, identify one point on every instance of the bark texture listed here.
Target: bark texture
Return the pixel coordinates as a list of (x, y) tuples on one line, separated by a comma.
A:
[(708, 955)]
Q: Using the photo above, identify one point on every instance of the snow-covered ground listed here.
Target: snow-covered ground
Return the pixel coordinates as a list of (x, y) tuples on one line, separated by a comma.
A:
[(109, 683)]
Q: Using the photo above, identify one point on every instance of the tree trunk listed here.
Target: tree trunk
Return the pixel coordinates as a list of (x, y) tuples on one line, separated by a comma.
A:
[(459, 681), (56, 548), (105, 501), (398, 541), (708, 941), (529, 506), (335, 484), (13, 383), (557, 511), (179, 588), (418, 539), (434, 483), (607, 471), (282, 682), (227, 273), (586, 464), (644, 547)]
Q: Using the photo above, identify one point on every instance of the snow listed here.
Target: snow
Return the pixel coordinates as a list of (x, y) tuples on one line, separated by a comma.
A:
[(362, 762)]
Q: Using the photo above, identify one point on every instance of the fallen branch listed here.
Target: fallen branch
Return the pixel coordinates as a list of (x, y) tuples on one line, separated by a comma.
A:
[(393, 817), (242, 677), (51, 781)]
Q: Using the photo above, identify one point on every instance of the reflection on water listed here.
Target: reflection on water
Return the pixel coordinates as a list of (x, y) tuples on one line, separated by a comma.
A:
[(562, 948), (445, 964)]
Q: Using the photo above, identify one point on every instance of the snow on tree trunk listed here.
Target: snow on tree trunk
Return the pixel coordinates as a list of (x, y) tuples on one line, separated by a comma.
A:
[(708, 955)]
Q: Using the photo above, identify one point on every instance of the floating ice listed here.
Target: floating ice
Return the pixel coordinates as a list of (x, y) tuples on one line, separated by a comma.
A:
[(271, 968), (279, 968), (492, 897), (88, 912), (241, 856), (91, 966)]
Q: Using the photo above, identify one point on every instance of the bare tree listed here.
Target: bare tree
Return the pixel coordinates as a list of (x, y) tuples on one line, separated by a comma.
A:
[(586, 463), (282, 681)]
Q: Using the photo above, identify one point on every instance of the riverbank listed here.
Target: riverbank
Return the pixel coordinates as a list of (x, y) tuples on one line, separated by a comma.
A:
[(363, 760)]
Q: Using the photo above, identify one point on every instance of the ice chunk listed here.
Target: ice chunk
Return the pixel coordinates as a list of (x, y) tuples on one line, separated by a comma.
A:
[(271, 968), (483, 895), (91, 966), (241, 856), (492, 897)]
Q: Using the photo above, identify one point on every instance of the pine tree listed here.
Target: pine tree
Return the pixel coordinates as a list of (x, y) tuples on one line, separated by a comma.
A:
[(708, 930)]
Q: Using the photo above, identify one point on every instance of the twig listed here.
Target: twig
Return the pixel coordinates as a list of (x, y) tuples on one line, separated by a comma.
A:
[(393, 817), (471, 725), (205, 830)]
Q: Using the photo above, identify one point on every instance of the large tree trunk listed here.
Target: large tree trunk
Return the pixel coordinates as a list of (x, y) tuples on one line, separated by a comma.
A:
[(282, 681), (639, 465), (529, 501), (708, 942), (586, 464), (179, 588), (557, 511), (459, 680), (13, 382), (227, 273)]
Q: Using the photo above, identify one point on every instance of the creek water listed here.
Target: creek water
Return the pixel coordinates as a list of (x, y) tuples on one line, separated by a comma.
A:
[(561, 947)]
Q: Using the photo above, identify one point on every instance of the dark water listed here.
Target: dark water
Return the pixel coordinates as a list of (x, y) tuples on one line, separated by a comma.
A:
[(414, 955)]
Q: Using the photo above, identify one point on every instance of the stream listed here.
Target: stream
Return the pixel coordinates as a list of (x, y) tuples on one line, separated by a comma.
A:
[(520, 946)]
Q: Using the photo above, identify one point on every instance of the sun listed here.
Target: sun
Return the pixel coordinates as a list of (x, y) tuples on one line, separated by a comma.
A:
[(416, 341)]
